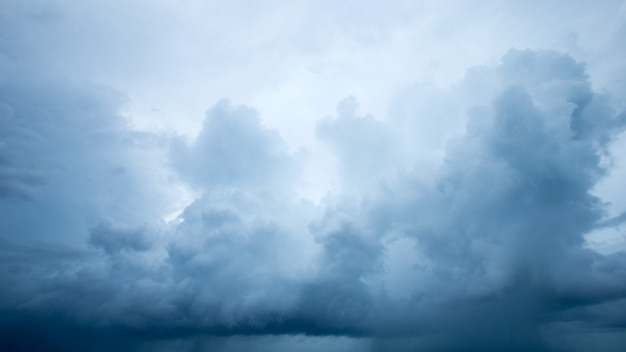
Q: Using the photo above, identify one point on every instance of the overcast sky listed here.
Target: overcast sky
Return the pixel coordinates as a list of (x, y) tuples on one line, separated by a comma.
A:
[(312, 175)]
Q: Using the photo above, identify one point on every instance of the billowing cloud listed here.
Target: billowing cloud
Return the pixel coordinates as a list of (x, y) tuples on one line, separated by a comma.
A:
[(502, 231), (497, 237), (233, 150), (459, 221)]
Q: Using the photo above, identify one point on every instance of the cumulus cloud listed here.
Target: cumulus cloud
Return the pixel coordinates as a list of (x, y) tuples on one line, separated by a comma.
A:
[(504, 226), (233, 150), (493, 246)]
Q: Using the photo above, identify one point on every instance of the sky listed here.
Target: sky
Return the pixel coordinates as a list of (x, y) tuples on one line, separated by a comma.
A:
[(430, 176)]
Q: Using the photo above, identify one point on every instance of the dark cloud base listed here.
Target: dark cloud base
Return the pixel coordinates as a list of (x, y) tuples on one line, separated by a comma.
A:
[(29, 332)]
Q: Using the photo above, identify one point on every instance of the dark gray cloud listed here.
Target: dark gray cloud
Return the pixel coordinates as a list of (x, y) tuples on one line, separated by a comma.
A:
[(497, 235), (112, 237)]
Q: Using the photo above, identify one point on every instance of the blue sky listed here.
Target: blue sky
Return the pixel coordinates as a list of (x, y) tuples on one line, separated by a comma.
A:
[(312, 175)]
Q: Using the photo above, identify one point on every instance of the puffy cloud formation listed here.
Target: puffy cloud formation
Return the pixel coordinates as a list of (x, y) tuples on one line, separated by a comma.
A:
[(488, 255), (233, 150), (502, 229)]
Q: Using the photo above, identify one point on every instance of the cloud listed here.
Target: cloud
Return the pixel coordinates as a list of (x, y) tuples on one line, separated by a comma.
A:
[(478, 245), (69, 158), (115, 238), (233, 150), (500, 231), (366, 148), (495, 239), (503, 229)]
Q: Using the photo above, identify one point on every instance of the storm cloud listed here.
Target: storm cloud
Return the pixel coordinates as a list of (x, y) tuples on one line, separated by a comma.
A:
[(118, 237)]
